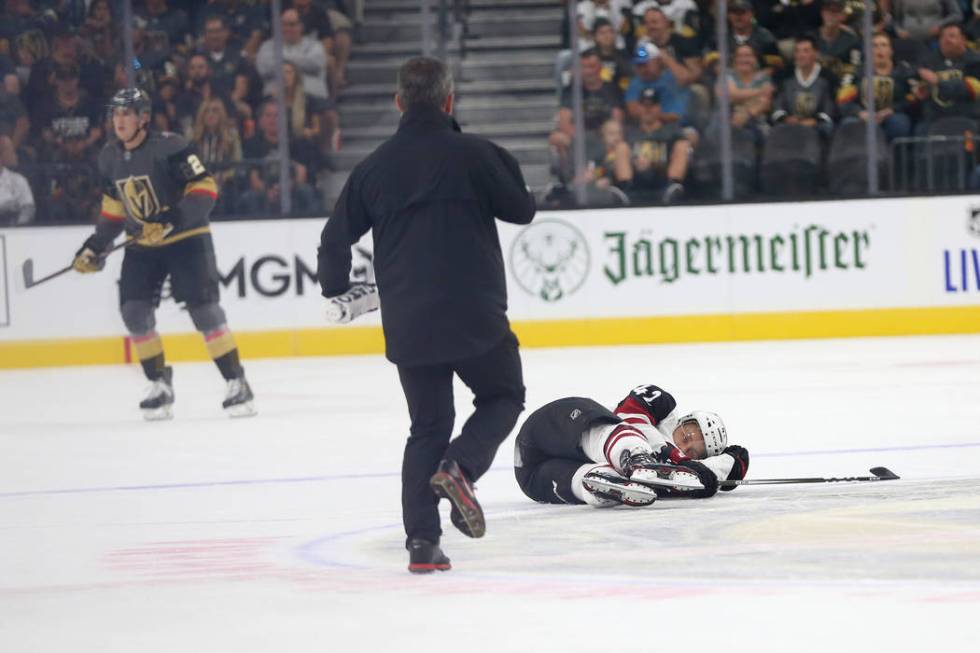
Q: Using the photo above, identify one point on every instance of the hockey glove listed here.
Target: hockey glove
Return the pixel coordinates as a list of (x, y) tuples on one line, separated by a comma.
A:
[(361, 298), (89, 257), (705, 475), (671, 454), (153, 233), (741, 466)]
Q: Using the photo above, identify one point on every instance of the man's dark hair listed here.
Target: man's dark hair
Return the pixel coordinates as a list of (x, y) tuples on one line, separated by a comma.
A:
[(952, 25), (424, 82), (806, 38)]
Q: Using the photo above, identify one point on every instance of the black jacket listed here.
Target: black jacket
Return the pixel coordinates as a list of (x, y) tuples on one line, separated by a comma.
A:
[(430, 194)]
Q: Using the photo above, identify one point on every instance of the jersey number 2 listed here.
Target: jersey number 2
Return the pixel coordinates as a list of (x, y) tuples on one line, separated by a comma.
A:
[(195, 163)]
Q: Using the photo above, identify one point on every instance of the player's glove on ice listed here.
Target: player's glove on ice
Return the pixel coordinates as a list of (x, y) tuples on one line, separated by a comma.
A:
[(361, 298), (741, 466), (89, 257), (705, 475), (670, 454), (153, 233)]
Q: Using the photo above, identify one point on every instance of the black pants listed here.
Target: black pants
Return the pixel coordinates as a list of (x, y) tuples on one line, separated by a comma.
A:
[(189, 263), (498, 388), (548, 449)]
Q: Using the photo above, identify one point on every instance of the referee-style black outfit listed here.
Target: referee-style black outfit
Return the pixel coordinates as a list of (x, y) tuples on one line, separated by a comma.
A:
[(430, 194)]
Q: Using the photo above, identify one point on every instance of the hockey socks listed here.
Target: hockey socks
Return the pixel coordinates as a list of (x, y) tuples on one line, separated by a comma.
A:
[(223, 351), (149, 351)]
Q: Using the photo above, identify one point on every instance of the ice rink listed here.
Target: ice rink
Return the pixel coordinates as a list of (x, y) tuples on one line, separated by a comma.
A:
[(283, 532)]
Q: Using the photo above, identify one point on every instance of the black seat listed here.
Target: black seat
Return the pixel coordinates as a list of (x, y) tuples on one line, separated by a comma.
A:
[(947, 158), (707, 164), (847, 161), (791, 161)]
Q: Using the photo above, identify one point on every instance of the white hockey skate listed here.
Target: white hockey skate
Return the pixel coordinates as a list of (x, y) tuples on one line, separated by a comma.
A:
[(158, 403), (608, 485), (239, 400), (644, 468)]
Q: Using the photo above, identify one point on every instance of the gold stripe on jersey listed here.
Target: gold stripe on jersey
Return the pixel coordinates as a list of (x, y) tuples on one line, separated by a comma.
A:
[(147, 347), (204, 185), (177, 237), (219, 342), (112, 209)]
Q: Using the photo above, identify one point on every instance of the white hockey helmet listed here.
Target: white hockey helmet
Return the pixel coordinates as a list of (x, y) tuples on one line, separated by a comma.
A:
[(712, 428)]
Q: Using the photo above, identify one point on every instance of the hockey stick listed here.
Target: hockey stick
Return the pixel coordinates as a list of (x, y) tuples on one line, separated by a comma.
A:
[(28, 267), (880, 474)]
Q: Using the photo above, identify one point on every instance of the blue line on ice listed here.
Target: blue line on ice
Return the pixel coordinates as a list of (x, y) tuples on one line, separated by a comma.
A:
[(341, 477)]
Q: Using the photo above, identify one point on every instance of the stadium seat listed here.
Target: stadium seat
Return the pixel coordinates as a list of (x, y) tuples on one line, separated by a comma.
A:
[(706, 166), (847, 162), (791, 161), (946, 160)]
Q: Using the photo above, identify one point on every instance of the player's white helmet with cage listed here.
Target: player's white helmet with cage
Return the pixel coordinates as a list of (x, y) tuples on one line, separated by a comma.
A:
[(712, 428)]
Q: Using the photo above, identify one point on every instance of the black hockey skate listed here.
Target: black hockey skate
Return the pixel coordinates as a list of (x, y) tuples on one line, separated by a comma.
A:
[(644, 468), (609, 486), (238, 400), (424, 557), (449, 482), (158, 404)]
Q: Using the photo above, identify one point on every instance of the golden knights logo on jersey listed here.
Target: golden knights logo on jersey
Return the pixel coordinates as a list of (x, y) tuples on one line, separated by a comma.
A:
[(805, 104), (139, 196)]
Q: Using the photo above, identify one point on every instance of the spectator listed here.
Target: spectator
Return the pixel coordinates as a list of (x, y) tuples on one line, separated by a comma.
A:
[(923, 19), (805, 98), (678, 54), (309, 117), (651, 72), (65, 52), (247, 22), (951, 80), (790, 20), (682, 14), (589, 11), (16, 198), (304, 51), (892, 87), (69, 126), (231, 73), (197, 88), (660, 153), (165, 32), (615, 61), (600, 102), (24, 36), (263, 181), (220, 148), (750, 92), (100, 32), (840, 48), (165, 111), (345, 18), (612, 167), (14, 123), (744, 30), (336, 42)]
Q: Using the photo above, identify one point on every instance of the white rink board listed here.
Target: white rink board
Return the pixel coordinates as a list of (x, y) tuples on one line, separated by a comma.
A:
[(816, 256)]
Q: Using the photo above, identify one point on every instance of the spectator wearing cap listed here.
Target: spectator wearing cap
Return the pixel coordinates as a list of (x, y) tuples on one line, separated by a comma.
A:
[(650, 71), (615, 61), (600, 102), (923, 19), (892, 87), (660, 153), (805, 98), (69, 126), (16, 198), (950, 79), (839, 47), (750, 92), (744, 30), (678, 54)]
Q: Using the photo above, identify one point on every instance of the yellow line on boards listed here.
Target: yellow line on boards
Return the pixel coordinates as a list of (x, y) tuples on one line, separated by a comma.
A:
[(541, 333)]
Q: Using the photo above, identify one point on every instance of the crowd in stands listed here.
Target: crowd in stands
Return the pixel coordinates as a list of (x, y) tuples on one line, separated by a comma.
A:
[(209, 67), (650, 87)]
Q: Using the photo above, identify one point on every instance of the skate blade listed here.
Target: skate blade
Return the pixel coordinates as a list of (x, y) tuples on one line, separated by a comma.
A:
[(428, 568), (676, 480), (632, 494), (158, 414), (241, 410)]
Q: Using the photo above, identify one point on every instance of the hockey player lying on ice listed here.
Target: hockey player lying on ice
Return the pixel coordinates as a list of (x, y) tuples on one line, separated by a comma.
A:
[(574, 450)]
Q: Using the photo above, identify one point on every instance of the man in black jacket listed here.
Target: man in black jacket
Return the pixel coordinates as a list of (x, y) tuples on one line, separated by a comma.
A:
[(430, 194)]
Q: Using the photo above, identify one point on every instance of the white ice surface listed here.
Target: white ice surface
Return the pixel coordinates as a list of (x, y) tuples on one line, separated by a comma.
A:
[(283, 532)]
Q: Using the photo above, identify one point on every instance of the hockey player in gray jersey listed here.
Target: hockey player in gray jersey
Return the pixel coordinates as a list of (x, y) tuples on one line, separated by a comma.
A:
[(575, 450), (158, 191)]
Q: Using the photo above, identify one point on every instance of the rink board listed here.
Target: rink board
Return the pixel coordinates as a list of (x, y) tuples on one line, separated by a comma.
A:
[(626, 276)]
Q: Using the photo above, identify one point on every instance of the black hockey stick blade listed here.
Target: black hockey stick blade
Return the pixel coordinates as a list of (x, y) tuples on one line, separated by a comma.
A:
[(880, 474), (30, 281)]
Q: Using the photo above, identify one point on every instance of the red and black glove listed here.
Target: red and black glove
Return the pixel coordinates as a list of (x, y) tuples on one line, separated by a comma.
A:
[(671, 454), (705, 475), (741, 466)]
